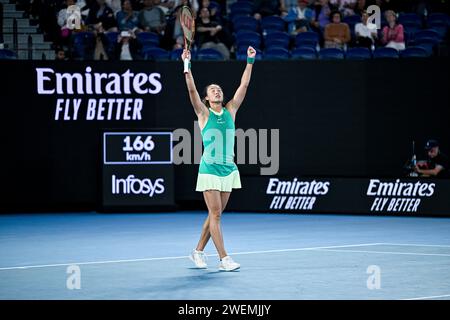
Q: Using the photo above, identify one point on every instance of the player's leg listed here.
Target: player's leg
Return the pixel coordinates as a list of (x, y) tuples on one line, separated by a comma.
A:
[(206, 235), (214, 204)]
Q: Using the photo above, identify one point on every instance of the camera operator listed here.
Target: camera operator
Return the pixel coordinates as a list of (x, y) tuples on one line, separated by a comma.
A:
[(437, 163)]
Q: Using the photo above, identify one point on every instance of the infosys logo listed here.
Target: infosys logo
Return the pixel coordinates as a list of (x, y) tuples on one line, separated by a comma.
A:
[(133, 185)]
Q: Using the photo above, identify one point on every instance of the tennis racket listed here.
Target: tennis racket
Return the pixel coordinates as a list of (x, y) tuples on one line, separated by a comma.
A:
[(188, 25)]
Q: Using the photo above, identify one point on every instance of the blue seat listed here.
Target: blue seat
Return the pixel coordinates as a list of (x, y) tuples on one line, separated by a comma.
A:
[(248, 38), (427, 33), (154, 53), (245, 23), (82, 44), (358, 54), (276, 53), (352, 20), (438, 16), (175, 54), (273, 23), (112, 41), (209, 54), (241, 54), (304, 53), (331, 54), (307, 39), (414, 52), (241, 6), (148, 39), (440, 27), (6, 54), (409, 17), (385, 53), (277, 39)]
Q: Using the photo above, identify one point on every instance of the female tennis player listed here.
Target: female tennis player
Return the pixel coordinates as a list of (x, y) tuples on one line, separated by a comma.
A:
[(218, 174)]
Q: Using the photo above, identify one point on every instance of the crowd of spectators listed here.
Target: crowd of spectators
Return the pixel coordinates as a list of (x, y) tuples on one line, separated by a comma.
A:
[(127, 19)]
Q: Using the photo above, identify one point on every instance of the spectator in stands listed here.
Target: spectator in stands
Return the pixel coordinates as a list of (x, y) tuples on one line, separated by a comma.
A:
[(127, 47), (151, 18), (360, 7), (166, 5), (101, 13), (287, 5), (63, 14), (393, 35), (346, 7), (337, 33), (127, 18), (321, 15), (437, 163), (60, 54), (101, 42), (265, 8), (115, 5), (300, 17), (207, 31), (365, 32)]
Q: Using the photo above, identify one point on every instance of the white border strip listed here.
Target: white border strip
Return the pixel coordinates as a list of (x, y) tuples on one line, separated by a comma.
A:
[(430, 297), (389, 252)]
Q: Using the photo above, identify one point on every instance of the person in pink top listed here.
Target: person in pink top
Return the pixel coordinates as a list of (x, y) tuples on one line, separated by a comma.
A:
[(393, 35)]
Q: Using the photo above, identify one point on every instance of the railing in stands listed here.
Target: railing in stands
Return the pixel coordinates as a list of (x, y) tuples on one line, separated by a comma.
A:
[(1, 23), (15, 37), (30, 47)]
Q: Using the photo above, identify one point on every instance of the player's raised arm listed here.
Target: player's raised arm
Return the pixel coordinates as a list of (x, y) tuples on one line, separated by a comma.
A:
[(199, 107), (239, 96)]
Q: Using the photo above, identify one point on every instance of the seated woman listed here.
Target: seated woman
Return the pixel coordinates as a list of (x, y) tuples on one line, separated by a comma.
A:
[(337, 33), (393, 35)]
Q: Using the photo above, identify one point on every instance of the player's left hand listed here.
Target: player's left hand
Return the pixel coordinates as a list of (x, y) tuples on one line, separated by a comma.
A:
[(251, 52)]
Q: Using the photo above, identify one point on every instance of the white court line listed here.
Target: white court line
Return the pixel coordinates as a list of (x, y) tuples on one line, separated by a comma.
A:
[(181, 257), (430, 297), (389, 252), (415, 245)]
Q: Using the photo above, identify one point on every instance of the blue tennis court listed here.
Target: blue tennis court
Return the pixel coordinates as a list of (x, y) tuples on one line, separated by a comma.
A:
[(282, 256)]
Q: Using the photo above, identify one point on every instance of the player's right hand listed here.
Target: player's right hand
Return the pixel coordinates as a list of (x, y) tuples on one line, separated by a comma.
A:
[(186, 55)]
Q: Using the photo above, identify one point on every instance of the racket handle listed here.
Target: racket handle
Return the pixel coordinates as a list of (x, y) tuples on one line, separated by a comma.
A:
[(186, 65)]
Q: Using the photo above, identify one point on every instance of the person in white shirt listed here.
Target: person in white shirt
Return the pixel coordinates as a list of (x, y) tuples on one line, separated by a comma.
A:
[(365, 32)]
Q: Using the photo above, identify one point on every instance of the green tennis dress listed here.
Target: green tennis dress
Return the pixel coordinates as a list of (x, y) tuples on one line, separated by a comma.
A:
[(217, 169)]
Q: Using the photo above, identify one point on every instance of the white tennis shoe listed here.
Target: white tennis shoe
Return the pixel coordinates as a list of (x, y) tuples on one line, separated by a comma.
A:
[(227, 264), (199, 258)]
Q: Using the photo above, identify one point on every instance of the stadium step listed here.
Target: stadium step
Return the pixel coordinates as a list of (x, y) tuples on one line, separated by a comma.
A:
[(36, 54), (23, 38), (21, 22)]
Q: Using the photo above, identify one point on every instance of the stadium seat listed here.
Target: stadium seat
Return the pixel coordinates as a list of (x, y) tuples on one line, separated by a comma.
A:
[(154, 53), (358, 54), (209, 54), (148, 39), (385, 53), (273, 23), (276, 53), (112, 41), (175, 54), (409, 17), (309, 39), (440, 27), (414, 52), (277, 39), (82, 44), (241, 8), (243, 23), (352, 20), (438, 16), (331, 54), (248, 38), (6, 54), (304, 53)]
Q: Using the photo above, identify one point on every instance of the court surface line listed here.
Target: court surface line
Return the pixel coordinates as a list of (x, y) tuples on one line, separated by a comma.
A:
[(387, 252), (429, 297), (182, 257), (415, 245)]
